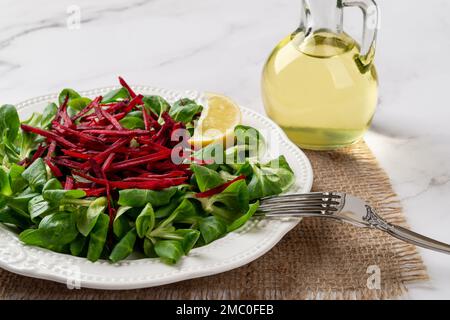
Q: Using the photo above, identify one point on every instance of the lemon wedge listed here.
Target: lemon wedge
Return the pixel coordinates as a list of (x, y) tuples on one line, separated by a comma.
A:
[(217, 122)]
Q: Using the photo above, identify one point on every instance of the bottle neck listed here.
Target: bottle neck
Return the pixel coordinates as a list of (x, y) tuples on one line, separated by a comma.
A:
[(321, 16)]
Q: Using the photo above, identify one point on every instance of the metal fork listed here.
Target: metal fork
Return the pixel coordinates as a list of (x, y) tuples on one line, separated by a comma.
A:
[(343, 207)]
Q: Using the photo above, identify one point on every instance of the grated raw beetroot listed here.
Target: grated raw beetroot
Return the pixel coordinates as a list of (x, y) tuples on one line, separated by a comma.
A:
[(93, 145)]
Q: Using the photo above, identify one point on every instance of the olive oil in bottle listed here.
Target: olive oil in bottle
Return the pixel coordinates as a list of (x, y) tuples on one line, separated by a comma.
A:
[(319, 90)]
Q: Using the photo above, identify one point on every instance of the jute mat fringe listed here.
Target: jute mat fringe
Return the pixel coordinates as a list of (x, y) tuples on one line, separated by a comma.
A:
[(319, 259)]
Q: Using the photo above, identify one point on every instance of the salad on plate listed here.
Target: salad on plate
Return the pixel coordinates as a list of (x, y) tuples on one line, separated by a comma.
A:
[(126, 173)]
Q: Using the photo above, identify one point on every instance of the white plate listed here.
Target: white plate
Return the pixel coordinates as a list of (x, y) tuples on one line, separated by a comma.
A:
[(236, 249)]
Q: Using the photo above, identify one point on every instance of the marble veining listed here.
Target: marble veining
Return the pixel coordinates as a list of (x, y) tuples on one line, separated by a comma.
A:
[(221, 46)]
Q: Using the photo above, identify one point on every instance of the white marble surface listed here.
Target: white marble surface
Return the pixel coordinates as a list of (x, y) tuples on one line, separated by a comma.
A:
[(221, 46)]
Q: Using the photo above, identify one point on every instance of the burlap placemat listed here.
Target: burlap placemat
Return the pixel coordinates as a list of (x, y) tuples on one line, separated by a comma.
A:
[(318, 259)]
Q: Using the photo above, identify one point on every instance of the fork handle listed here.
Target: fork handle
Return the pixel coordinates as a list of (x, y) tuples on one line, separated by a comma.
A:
[(415, 238), (376, 221)]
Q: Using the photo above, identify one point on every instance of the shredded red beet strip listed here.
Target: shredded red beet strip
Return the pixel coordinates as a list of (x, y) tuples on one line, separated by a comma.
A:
[(154, 117), (75, 154), (163, 135), (133, 170), (217, 189), (94, 192), (148, 120), (121, 133), (119, 116), (111, 119), (55, 170), (105, 137), (83, 185), (51, 149), (133, 103), (96, 168), (23, 162), (141, 160), (57, 130), (140, 151), (108, 162), (88, 118), (201, 162), (98, 113), (164, 175), (60, 109), (63, 112), (143, 179), (116, 106), (48, 134), (78, 134), (167, 166), (39, 152), (155, 184), (132, 153), (126, 86), (68, 163), (69, 183), (91, 105), (116, 145), (111, 210), (149, 116), (82, 127), (150, 145)]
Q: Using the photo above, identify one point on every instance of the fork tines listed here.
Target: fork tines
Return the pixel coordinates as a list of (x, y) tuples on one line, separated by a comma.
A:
[(294, 204)]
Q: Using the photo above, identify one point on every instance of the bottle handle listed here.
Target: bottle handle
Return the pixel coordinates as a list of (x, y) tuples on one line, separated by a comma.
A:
[(370, 12)]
